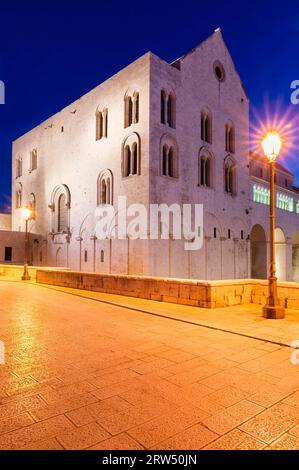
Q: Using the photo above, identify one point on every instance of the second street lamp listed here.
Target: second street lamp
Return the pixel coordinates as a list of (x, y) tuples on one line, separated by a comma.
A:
[(26, 214), (271, 145)]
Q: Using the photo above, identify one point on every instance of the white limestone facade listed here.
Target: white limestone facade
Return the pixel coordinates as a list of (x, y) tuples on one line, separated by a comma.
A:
[(156, 133)]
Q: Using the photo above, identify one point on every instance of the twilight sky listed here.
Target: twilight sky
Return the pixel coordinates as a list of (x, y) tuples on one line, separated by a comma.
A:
[(53, 52)]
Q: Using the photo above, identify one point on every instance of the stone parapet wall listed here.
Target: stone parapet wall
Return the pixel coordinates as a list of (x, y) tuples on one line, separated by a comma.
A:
[(208, 294), (16, 271)]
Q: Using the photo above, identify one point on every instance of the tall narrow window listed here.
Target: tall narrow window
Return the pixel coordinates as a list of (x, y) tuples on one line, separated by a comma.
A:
[(99, 125), (164, 160), (131, 156), (131, 109), (33, 160), (229, 176), (19, 169), (169, 157), (62, 213), (206, 127), (60, 209), (170, 110), (103, 192), (105, 122), (167, 108), (205, 168), (32, 206), (163, 106), (171, 171), (105, 187), (136, 107), (19, 196), (127, 162), (230, 138), (134, 159)]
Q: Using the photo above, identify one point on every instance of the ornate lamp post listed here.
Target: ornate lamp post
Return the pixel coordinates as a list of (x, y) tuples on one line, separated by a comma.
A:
[(271, 145), (26, 214)]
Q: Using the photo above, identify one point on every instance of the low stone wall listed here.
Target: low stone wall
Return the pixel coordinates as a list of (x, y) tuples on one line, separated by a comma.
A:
[(16, 271), (209, 294)]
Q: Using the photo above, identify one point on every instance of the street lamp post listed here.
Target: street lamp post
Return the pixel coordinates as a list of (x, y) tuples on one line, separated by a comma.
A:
[(26, 214), (271, 145)]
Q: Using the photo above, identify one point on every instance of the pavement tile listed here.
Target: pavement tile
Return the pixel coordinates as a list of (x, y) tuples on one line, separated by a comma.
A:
[(159, 429), (82, 437), (117, 388), (273, 422), (285, 442), (15, 422), (91, 412), (193, 375), (67, 392), (193, 438), (63, 406), (292, 399), (236, 440), (120, 442), (38, 431), (267, 396), (47, 444), (232, 417), (228, 396)]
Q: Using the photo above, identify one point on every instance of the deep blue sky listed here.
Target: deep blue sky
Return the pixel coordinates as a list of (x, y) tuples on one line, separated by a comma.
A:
[(54, 53)]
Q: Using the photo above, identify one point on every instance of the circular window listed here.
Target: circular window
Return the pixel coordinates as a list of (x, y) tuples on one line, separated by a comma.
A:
[(219, 71)]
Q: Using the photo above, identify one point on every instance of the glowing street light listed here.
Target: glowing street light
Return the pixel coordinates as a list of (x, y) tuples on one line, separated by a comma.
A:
[(271, 145), (26, 212)]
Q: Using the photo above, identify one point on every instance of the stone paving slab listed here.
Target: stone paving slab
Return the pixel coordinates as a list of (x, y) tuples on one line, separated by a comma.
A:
[(84, 374), (245, 320)]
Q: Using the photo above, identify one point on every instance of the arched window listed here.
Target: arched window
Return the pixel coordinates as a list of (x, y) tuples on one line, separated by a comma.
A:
[(131, 156), (206, 126), (167, 107), (131, 108), (62, 213), (19, 167), (205, 168), (105, 187), (101, 124), (169, 157), (230, 138), (60, 207), (32, 206), (19, 196), (229, 176), (33, 160)]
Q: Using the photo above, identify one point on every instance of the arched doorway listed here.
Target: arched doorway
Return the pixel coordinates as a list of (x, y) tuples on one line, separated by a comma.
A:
[(280, 254), (258, 251), (295, 256)]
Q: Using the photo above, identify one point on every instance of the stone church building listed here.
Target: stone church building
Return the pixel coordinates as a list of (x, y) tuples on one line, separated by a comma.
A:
[(156, 133)]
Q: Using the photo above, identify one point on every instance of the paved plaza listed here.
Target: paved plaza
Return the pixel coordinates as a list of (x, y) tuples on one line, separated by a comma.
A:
[(96, 371)]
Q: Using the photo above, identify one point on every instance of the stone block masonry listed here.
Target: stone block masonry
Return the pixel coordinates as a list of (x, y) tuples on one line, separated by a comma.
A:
[(207, 294)]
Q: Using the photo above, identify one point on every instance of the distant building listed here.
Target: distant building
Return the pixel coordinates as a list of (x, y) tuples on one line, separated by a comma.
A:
[(157, 133)]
